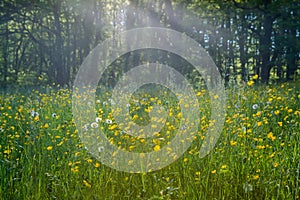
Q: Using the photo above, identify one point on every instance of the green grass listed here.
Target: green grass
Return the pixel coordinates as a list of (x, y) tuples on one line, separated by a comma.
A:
[(256, 157)]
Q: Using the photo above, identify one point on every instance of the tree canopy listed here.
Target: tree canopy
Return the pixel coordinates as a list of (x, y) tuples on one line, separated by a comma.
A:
[(45, 42)]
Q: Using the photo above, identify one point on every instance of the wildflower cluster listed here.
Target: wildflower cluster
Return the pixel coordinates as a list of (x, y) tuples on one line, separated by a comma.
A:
[(42, 156)]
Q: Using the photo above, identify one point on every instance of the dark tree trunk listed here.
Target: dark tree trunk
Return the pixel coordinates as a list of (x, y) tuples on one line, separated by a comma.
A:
[(241, 42), (58, 54), (265, 48), (291, 57), (5, 56)]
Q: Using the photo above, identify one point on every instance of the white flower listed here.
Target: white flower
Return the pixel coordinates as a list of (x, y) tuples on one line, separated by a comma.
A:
[(125, 132), (255, 106), (94, 125), (98, 119), (86, 127), (33, 113), (100, 149), (247, 187), (54, 115), (137, 103), (244, 129), (111, 101), (108, 121), (183, 127), (98, 101)]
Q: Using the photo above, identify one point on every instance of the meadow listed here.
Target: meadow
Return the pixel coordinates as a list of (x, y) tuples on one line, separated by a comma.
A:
[(256, 157)]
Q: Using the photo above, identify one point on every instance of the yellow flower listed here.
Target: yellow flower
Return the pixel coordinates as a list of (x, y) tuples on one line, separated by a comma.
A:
[(77, 153), (260, 147), (258, 114), (223, 166), (131, 147), (46, 125), (156, 148), (197, 176), (275, 164), (250, 83), (7, 151), (112, 127), (255, 77), (272, 155), (276, 112), (233, 143), (36, 118), (214, 171), (179, 115), (97, 165), (87, 184), (259, 123), (255, 177), (61, 143), (279, 123), (271, 136), (75, 169), (49, 148)]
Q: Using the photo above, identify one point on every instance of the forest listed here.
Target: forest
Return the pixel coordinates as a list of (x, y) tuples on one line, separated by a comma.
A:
[(45, 42), (150, 99)]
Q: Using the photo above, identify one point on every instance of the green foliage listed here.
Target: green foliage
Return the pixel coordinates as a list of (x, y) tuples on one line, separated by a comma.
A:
[(53, 38), (257, 157)]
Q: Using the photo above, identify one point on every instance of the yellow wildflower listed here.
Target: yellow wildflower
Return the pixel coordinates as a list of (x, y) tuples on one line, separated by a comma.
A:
[(233, 143), (255, 77), (87, 184), (259, 123), (49, 148), (271, 136), (156, 148), (250, 83)]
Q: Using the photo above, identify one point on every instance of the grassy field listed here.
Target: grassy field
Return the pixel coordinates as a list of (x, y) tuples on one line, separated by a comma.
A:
[(256, 157)]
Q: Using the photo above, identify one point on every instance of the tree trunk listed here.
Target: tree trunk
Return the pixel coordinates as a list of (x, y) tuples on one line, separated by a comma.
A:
[(265, 48), (58, 61), (5, 56), (241, 42)]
